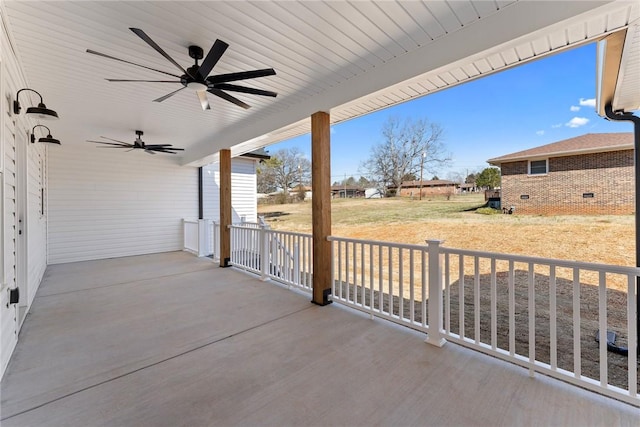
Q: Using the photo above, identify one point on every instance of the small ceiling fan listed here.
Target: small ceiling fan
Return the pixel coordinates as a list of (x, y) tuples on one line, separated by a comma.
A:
[(139, 144), (196, 77)]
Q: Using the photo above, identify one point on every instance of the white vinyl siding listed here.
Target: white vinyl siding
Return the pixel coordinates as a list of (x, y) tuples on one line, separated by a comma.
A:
[(8, 313), (37, 221), (243, 190), (105, 203)]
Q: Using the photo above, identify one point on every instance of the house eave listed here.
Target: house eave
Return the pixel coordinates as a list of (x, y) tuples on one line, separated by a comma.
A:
[(498, 161), (608, 61)]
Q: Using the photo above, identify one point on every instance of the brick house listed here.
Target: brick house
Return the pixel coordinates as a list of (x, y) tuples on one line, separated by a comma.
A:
[(432, 187), (588, 174)]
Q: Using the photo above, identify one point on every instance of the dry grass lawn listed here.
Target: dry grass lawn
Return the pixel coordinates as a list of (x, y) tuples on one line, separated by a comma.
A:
[(597, 239)]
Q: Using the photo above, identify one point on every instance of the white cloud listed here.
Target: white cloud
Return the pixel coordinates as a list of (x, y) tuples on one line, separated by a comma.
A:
[(540, 133), (576, 122), (591, 102), (574, 108), (556, 126)]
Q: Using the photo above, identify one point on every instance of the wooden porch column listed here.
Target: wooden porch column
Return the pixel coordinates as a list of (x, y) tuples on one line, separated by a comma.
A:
[(225, 208), (321, 206)]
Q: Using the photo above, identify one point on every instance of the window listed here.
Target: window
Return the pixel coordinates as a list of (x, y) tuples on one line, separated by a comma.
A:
[(538, 167)]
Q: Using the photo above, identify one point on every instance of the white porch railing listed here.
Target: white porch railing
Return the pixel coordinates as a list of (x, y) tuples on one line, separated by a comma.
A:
[(190, 235), (539, 313), (279, 255), (533, 312)]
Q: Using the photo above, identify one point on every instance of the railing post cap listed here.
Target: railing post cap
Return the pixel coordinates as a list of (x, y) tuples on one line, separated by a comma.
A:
[(435, 242)]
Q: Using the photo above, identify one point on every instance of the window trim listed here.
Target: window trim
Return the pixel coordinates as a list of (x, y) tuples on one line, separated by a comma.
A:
[(546, 164)]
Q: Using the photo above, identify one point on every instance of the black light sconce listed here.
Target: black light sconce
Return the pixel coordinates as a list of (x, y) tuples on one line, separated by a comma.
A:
[(40, 112), (48, 138)]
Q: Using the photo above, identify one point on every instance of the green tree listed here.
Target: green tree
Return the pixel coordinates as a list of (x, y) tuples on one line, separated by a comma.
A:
[(471, 178), (364, 182), (489, 177)]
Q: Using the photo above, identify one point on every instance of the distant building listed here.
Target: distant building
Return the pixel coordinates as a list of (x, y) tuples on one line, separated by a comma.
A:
[(350, 191), (588, 174), (428, 188), (373, 193)]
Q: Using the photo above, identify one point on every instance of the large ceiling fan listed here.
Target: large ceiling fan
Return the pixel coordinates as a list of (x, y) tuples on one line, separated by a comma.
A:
[(139, 144), (196, 77)]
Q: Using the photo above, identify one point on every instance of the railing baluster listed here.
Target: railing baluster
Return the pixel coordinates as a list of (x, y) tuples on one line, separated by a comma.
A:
[(355, 273), (532, 319), (494, 306), (380, 279), (371, 293), (553, 318), (412, 295), (390, 297), (602, 321), (296, 263), (447, 292), (339, 270), (400, 284), (577, 351), (346, 270), (512, 309), (461, 295), (632, 343), (333, 268), (476, 298), (363, 283)]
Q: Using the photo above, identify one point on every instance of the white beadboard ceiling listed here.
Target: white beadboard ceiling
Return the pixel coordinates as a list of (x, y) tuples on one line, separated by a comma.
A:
[(346, 57)]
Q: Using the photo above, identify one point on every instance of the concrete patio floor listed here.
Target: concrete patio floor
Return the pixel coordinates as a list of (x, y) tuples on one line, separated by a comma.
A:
[(173, 340)]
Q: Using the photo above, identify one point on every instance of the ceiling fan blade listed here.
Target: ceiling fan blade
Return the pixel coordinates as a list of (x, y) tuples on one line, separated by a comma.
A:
[(168, 150), (243, 89), (144, 81), (169, 95), (149, 151), (129, 62), (113, 147), (227, 97), (114, 140), (243, 75), (157, 145), (212, 58), (111, 143), (138, 32), (204, 102)]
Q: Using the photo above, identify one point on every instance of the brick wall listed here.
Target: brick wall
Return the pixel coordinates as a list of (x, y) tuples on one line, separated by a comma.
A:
[(608, 176), (443, 190)]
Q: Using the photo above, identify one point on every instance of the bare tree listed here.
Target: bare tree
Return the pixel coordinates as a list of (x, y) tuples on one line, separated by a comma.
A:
[(286, 169), (409, 147), (456, 177)]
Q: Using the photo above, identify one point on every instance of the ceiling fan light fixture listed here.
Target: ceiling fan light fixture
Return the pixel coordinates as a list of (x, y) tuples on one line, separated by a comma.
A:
[(197, 86)]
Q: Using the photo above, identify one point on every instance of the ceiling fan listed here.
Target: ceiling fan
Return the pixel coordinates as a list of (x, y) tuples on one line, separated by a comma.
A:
[(196, 78), (139, 144)]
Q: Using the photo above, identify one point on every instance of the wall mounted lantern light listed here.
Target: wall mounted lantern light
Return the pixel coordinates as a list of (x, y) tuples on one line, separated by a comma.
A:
[(48, 138), (40, 112)]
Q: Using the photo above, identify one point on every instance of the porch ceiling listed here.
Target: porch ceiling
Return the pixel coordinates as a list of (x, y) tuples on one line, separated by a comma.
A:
[(349, 58)]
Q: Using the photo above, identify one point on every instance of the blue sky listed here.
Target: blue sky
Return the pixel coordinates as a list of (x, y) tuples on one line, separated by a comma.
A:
[(544, 101)]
